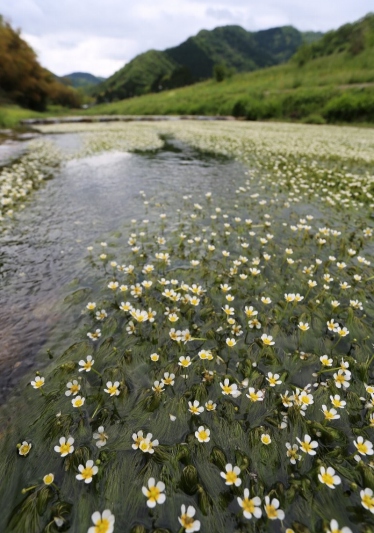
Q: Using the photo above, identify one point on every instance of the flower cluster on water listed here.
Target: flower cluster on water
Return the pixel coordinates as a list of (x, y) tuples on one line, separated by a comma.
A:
[(19, 179), (224, 363)]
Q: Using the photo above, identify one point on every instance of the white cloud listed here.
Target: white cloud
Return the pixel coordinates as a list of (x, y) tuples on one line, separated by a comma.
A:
[(99, 56), (99, 37)]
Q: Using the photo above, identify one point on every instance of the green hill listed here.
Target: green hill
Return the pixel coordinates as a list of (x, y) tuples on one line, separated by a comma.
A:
[(329, 80), (194, 59), (81, 79)]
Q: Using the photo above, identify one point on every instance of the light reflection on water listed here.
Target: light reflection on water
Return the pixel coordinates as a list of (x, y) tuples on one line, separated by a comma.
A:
[(43, 255)]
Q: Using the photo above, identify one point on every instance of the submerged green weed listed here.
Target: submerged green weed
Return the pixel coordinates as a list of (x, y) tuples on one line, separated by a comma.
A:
[(224, 378)]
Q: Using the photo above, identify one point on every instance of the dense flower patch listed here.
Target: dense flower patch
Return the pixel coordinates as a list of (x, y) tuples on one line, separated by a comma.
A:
[(224, 379), (18, 180)]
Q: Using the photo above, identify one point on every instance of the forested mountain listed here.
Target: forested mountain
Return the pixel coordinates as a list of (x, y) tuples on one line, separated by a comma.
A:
[(352, 38), (23, 80), (81, 79), (194, 59), (331, 80)]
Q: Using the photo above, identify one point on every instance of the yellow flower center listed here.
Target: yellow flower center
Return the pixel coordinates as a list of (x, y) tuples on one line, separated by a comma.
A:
[(112, 390), (248, 505), (329, 415), (203, 434), (186, 520), (78, 403), (102, 526), (87, 365), (227, 389), (74, 389), (25, 448), (306, 447), (305, 399), (271, 511), (87, 473), (65, 448), (185, 363), (327, 478), (362, 447), (231, 477), (48, 479), (368, 501), (267, 342), (144, 446), (340, 378), (153, 493)]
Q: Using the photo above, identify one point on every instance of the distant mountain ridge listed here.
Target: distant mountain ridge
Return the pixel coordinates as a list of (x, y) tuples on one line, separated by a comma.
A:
[(194, 59), (81, 79)]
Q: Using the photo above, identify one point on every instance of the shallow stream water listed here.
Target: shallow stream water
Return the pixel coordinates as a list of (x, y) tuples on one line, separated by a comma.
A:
[(43, 256)]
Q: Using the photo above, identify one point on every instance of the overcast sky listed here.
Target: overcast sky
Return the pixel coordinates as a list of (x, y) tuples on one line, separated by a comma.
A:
[(100, 36)]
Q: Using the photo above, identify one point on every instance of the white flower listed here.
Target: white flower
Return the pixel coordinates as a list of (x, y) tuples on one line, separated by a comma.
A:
[(86, 364), (342, 379), (334, 528), (367, 499), (292, 453), (250, 506), (328, 477), (267, 340), (195, 408), (154, 492), (202, 434), (271, 509), (73, 388), (308, 445), (229, 389), (112, 388), (101, 437), (87, 472), (187, 521), (78, 401), (231, 476), (38, 382), (363, 447), (103, 522), (66, 446)]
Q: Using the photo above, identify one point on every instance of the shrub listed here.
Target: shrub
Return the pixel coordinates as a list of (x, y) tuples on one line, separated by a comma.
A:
[(350, 106)]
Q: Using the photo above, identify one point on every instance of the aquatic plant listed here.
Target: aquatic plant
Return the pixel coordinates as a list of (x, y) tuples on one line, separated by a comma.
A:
[(223, 380)]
